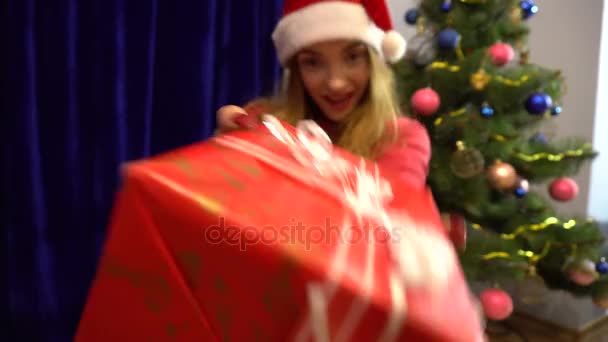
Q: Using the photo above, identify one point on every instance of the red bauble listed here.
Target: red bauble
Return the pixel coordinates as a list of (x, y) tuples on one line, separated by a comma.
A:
[(501, 53), (563, 189), (425, 101), (497, 304), (582, 278)]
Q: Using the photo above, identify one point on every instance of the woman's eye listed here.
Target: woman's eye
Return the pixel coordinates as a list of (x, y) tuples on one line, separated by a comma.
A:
[(309, 62), (354, 56)]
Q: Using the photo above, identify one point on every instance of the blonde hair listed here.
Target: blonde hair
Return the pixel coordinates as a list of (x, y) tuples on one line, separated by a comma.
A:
[(365, 128)]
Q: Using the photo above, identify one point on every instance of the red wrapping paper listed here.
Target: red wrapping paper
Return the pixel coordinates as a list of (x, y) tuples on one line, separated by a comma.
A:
[(210, 243)]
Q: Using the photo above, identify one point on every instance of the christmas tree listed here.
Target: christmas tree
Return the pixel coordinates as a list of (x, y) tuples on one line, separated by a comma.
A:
[(467, 78)]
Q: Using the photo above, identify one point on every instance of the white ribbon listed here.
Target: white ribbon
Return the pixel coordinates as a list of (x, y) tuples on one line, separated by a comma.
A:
[(421, 256)]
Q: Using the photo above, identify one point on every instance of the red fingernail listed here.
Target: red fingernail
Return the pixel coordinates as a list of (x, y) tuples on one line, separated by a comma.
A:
[(245, 121)]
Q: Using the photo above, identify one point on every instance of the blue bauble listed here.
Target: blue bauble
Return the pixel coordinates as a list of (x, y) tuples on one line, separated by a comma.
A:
[(520, 192), (446, 6), (602, 267), (448, 39), (526, 4), (538, 103), (557, 110), (486, 111), (528, 8), (540, 138), (411, 16)]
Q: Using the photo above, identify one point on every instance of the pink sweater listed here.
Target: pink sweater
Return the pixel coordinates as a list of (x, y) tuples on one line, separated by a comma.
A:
[(408, 156)]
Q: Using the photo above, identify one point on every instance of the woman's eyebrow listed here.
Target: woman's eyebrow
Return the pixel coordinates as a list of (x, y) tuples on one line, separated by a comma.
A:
[(354, 46), (309, 52)]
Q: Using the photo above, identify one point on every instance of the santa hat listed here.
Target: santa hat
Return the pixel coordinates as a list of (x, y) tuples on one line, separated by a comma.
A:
[(305, 22)]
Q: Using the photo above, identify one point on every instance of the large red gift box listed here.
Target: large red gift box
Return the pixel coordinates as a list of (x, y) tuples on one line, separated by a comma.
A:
[(254, 236)]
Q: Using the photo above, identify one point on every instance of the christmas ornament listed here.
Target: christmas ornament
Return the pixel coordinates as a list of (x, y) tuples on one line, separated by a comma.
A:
[(523, 57), (501, 53), (411, 16), (446, 6), (582, 272), (486, 111), (421, 48), (540, 138), (563, 189), (502, 176), (425, 101), (448, 39), (557, 110), (538, 103), (521, 188), (480, 80), (528, 8), (456, 227), (516, 15), (602, 266), (497, 304), (466, 162)]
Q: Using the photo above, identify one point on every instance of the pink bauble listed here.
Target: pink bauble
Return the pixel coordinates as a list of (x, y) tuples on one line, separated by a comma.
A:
[(501, 53), (563, 189), (425, 101), (582, 278), (497, 304)]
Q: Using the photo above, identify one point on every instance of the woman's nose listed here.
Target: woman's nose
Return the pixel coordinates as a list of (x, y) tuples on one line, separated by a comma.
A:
[(337, 80)]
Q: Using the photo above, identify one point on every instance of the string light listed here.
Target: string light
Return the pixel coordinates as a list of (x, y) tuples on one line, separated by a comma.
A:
[(444, 65), (513, 83), (452, 114), (499, 79), (554, 157)]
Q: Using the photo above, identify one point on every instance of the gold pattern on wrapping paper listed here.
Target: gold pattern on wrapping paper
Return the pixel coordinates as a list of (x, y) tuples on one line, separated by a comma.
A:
[(249, 212), (225, 317), (192, 265), (260, 336), (234, 182), (172, 330), (183, 165), (222, 312), (156, 290), (221, 286), (280, 286), (250, 168)]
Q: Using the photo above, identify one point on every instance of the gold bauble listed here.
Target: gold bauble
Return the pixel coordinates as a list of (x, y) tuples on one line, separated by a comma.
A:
[(516, 15), (524, 56), (480, 80), (466, 162), (502, 176)]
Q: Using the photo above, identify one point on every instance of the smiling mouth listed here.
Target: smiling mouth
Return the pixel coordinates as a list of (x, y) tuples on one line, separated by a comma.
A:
[(339, 103)]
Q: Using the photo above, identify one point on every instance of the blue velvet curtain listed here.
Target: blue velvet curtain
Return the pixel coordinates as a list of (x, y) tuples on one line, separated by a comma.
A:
[(87, 85)]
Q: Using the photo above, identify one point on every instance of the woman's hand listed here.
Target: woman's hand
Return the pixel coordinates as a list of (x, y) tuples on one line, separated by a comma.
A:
[(230, 118)]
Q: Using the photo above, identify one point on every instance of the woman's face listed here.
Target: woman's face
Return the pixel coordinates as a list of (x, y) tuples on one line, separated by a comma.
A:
[(335, 74)]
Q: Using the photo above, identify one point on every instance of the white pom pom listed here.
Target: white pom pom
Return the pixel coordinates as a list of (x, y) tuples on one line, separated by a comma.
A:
[(393, 46)]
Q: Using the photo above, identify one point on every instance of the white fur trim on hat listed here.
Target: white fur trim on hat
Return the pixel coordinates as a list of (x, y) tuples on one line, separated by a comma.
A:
[(330, 20)]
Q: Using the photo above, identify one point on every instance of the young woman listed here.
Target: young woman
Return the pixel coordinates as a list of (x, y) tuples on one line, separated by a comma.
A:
[(335, 55)]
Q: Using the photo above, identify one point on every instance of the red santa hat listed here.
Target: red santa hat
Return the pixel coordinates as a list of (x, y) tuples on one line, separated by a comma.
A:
[(305, 22)]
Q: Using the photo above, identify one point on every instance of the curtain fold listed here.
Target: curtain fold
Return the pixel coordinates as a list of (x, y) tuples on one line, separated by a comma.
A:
[(91, 84)]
